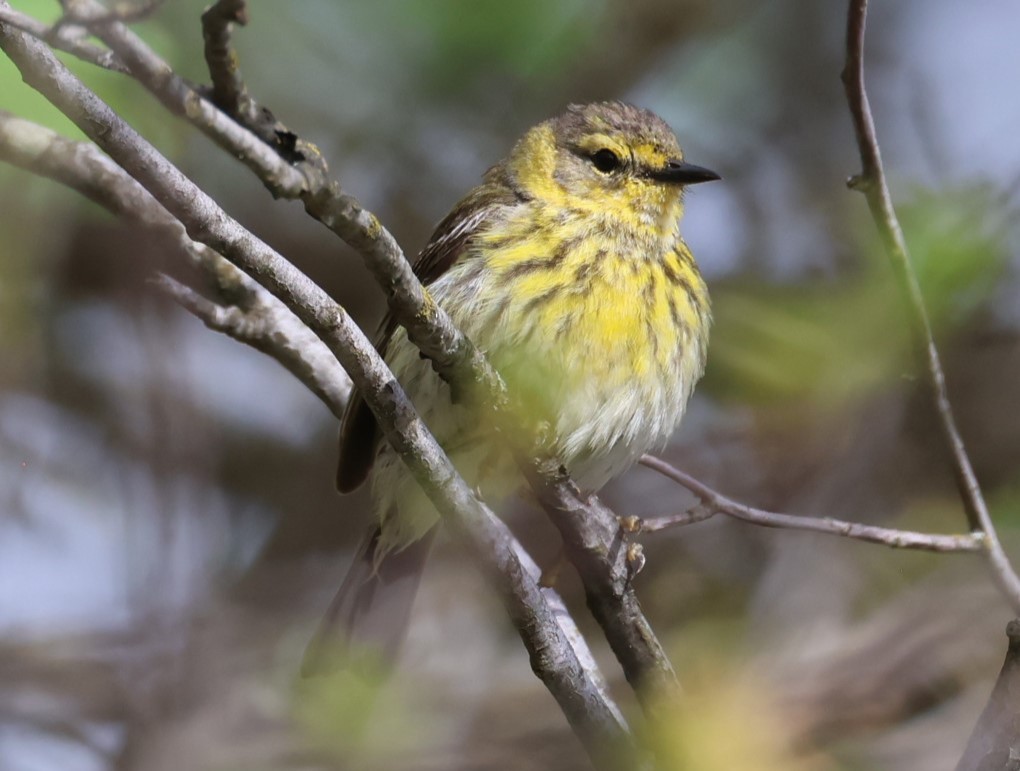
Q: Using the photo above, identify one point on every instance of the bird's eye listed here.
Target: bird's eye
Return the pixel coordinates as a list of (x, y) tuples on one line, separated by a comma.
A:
[(606, 160)]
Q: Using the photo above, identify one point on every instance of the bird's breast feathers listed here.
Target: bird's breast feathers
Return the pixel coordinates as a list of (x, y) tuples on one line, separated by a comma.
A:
[(605, 345)]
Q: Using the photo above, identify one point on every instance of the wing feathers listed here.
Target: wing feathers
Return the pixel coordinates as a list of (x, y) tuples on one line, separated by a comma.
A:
[(359, 434)]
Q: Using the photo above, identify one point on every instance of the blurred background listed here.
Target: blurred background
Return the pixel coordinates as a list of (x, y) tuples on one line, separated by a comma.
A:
[(169, 531)]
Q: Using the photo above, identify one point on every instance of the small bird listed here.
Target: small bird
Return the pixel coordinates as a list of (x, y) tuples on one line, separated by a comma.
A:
[(567, 269)]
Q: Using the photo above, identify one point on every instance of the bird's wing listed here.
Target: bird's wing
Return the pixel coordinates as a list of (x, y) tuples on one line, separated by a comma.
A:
[(359, 433)]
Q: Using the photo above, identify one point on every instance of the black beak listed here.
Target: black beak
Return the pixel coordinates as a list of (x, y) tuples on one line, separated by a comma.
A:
[(681, 173)]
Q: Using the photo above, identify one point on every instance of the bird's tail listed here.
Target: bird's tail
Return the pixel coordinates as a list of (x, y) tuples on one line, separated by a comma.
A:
[(371, 610)]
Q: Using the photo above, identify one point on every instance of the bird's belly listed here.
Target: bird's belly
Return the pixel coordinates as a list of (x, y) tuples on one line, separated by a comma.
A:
[(605, 373), (615, 406), (612, 381)]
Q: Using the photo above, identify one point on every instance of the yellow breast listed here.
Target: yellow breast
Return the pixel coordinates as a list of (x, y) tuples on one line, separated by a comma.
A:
[(602, 339)]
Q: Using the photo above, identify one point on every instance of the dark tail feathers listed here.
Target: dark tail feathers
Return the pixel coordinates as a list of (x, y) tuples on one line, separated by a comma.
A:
[(371, 610)]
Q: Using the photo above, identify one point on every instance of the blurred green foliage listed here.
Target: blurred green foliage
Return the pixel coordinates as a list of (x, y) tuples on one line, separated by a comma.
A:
[(38, 222), (121, 93), (837, 340), (527, 37), (359, 715), (958, 241), (728, 719)]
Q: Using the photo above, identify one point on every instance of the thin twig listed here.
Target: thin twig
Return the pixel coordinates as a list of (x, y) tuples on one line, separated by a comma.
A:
[(180, 98), (63, 38), (692, 516), (231, 95), (717, 502), (228, 89), (871, 181), (120, 12), (552, 656)]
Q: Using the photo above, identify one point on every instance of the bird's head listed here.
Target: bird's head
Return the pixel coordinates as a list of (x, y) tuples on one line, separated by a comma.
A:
[(610, 160)]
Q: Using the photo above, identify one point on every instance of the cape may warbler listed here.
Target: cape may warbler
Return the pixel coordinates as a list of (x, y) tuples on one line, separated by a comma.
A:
[(566, 267)]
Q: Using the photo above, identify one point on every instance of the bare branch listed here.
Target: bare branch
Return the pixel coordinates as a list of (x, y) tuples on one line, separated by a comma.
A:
[(570, 629), (258, 323), (255, 316), (590, 530), (717, 502), (125, 12), (78, 165), (593, 538), (282, 179), (871, 181), (230, 94), (228, 89), (552, 656), (63, 38), (83, 168), (699, 513)]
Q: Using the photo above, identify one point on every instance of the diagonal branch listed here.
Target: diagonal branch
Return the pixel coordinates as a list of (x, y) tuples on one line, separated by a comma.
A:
[(594, 720), (871, 181), (183, 100), (258, 319), (250, 313), (63, 38), (590, 530), (592, 536)]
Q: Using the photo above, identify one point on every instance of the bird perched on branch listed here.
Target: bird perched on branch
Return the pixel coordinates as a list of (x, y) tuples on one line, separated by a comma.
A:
[(567, 268)]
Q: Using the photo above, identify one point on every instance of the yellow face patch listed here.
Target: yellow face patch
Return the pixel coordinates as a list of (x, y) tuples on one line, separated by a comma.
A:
[(651, 156), (592, 143), (563, 174)]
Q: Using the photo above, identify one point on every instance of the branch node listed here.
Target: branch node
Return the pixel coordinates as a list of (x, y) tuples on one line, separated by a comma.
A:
[(631, 524), (859, 182), (636, 558)]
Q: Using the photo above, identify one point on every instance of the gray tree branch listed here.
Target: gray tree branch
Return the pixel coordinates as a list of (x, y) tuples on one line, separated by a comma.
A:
[(553, 659), (994, 744), (871, 182), (65, 38), (258, 320), (593, 539), (244, 310), (713, 502)]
